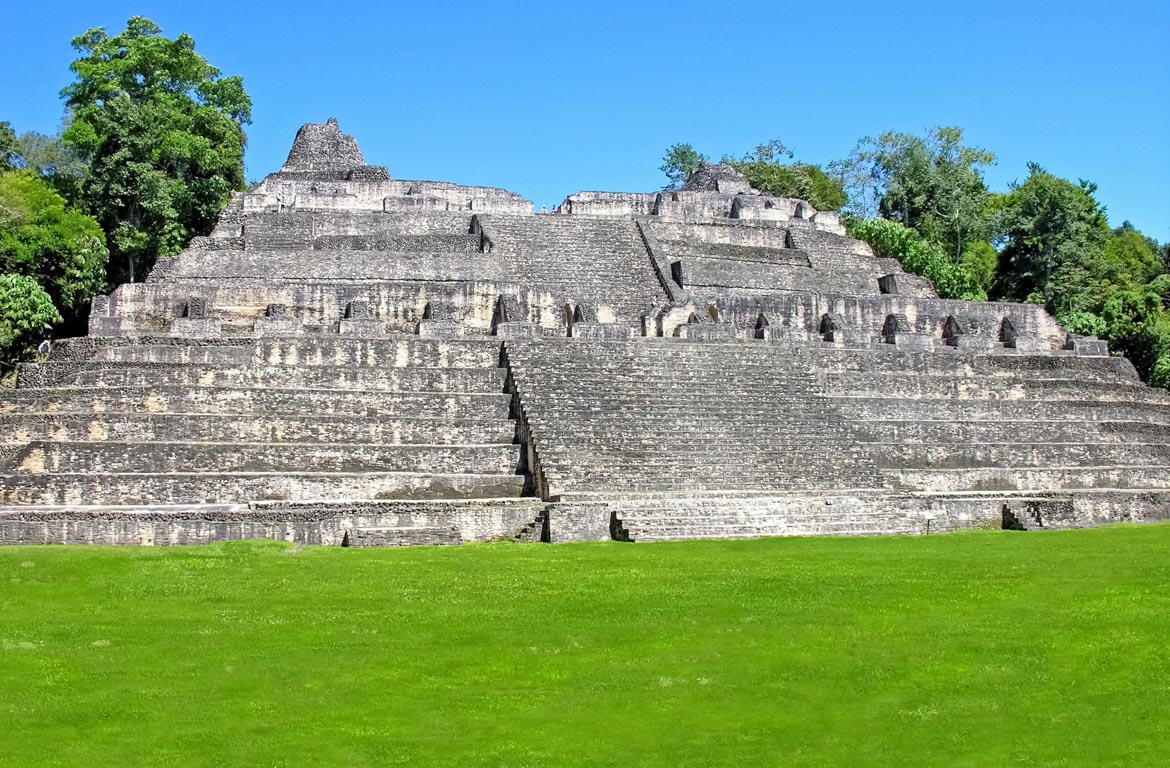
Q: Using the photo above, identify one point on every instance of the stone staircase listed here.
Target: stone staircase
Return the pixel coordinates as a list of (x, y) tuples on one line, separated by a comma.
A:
[(594, 261), (170, 423), (705, 440)]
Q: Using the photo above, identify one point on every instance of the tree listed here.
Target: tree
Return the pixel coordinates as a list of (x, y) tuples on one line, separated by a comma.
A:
[(1055, 231), (162, 133), (1137, 328), (49, 158), (9, 148), (679, 162), (1127, 261), (766, 172), (25, 312), (933, 185), (980, 260), (61, 249), (889, 239)]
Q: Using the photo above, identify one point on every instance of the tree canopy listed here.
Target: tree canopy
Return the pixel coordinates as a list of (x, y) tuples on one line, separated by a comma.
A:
[(1055, 231), (162, 134), (932, 184)]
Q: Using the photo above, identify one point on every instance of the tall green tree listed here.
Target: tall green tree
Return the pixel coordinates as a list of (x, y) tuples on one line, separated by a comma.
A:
[(1055, 232), (162, 133), (932, 184), (9, 148), (49, 158), (679, 162)]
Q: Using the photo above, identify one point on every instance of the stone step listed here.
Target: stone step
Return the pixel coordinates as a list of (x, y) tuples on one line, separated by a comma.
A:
[(684, 533), (816, 360), (256, 401), (1016, 454), (311, 522), (579, 385), (305, 350), (167, 457), (242, 487), (1062, 478), (401, 536), (398, 242), (279, 376), (20, 428), (1008, 430), (298, 263), (861, 410), (728, 434)]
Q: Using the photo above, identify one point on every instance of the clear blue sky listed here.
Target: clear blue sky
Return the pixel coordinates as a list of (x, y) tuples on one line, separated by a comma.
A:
[(549, 98)]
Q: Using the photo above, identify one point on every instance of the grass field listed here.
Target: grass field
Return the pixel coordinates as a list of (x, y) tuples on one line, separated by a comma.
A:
[(978, 649)]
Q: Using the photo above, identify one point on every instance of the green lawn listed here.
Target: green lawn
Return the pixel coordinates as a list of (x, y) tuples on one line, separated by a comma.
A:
[(977, 649)]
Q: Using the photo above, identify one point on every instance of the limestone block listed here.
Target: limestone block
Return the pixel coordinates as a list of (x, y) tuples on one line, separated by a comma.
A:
[(400, 537), (111, 326), (361, 327), (1029, 345), (905, 284), (828, 221), (842, 337), (651, 324), (969, 342), (600, 332), (277, 326), (911, 342), (706, 332), (517, 329), (194, 328), (1087, 346), (439, 329)]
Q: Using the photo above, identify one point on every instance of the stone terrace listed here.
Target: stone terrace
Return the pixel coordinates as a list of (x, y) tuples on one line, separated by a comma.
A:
[(353, 359)]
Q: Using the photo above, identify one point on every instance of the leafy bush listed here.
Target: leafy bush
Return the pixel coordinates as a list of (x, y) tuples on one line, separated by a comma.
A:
[(25, 310), (1084, 323), (889, 239)]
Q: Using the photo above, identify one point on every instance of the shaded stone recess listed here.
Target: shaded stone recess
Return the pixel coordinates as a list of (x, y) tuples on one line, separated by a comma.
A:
[(350, 359)]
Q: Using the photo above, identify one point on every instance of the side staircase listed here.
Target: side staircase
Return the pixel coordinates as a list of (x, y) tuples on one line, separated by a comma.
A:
[(240, 429)]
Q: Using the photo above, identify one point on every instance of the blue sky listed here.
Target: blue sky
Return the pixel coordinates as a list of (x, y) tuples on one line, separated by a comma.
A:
[(549, 98)]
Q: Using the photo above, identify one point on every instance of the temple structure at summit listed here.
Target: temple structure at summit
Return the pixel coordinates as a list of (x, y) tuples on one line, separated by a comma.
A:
[(351, 358)]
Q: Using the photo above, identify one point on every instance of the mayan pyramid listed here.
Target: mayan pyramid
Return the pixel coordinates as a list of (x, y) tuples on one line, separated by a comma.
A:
[(350, 358)]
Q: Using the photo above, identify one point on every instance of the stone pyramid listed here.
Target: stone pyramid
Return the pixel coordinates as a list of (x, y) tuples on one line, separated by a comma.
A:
[(353, 359)]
